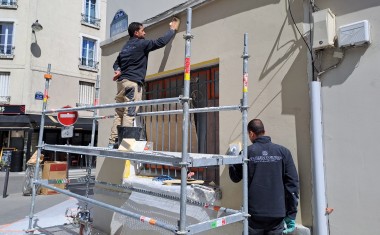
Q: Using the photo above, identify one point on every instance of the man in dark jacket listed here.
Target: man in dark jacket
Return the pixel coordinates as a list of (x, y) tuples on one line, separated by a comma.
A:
[(130, 70), (272, 184)]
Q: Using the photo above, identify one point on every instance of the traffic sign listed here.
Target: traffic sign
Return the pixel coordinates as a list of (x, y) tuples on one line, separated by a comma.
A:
[(67, 118), (39, 95), (67, 131)]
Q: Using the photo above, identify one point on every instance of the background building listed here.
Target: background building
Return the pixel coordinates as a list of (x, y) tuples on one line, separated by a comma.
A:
[(69, 40)]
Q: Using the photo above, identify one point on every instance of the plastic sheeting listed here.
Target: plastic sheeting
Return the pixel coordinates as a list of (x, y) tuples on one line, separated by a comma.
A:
[(159, 206)]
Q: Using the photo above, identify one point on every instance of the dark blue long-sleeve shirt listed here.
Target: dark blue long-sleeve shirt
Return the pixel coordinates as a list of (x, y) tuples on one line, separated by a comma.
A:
[(272, 180), (132, 60)]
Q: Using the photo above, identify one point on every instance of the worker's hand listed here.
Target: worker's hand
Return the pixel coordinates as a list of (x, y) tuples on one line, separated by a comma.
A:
[(116, 75), (290, 225), (174, 24), (190, 174)]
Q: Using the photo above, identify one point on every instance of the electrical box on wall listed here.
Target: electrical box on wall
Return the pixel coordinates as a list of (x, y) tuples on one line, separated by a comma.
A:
[(355, 34), (324, 29)]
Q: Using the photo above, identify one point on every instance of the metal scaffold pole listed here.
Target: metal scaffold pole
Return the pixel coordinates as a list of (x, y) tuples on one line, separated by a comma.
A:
[(47, 77), (244, 107), (89, 158), (185, 124)]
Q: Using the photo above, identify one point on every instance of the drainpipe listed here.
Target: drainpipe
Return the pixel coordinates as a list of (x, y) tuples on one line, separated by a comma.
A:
[(320, 222), (320, 219)]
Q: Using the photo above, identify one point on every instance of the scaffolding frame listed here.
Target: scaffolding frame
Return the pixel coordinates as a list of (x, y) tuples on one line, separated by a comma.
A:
[(182, 159)]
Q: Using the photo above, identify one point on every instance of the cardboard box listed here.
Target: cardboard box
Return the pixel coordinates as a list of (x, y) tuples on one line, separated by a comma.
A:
[(33, 159), (128, 144), (54, 170)]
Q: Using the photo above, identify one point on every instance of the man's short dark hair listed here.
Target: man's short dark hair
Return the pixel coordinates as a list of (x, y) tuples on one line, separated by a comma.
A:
[(256, 126), (133, 27)]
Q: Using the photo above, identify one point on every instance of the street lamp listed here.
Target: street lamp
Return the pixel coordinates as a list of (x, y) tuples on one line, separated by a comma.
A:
[(36, 26), (34, 48)]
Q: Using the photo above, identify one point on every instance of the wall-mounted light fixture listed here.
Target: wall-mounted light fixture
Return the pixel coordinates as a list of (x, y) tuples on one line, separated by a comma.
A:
[(34, 47), (36, 26)]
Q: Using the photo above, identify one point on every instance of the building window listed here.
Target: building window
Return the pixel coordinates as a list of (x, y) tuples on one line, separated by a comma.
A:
[(10, 4), (88, 55), (6, 40), (89, 16), (86, 93), (4, 88)]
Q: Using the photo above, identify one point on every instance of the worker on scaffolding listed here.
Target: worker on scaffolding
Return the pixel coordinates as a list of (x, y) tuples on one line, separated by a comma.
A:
[(272, 184), (130, 70)]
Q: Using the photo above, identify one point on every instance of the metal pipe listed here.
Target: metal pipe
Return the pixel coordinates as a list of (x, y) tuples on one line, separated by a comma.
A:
[(185, 124), (155, 168), (118, 105), (104, 117), (5, 188), (320, 222), (245, 57), (40, 144), (110, 207), (162, 132), (197, 110), (176, 134), (169, 133), (68, 162), (96, 113), (89, 158)]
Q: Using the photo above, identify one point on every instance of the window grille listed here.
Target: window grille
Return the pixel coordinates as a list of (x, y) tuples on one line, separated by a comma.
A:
[(89, 17), (11, 4), (165, 131), (88, 56)]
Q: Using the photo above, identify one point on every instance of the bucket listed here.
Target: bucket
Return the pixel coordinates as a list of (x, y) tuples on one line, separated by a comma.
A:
[(129, 132)]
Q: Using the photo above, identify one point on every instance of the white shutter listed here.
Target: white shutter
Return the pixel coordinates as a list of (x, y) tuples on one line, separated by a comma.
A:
[(4, 87), (86, 93)]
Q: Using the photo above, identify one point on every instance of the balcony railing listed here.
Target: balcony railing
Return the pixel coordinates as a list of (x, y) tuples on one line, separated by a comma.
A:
[(90, 21), (88, 64), (5, 99), (10, 4), (7, 52)]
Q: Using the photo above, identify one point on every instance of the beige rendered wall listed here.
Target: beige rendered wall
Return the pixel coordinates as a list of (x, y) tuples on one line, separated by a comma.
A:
[(350, 97), (278, 83), (278, 90), (19, 65)]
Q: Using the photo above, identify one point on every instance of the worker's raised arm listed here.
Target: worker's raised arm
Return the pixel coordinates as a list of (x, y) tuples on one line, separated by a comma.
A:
[(151, 45)]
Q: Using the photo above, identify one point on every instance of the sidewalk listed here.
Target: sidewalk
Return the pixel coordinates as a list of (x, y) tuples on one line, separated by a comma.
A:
[(49, 221), (49, 209)]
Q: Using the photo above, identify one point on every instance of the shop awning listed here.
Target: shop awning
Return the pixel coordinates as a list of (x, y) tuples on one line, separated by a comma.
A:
[(12, 122), (15, 122)]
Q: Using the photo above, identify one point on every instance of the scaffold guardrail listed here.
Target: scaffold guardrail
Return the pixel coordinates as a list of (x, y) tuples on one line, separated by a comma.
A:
[(182, 159)]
